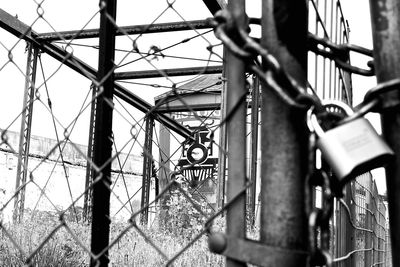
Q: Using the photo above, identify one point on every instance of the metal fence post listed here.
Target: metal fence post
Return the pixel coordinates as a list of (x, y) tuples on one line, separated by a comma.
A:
[(385, 18), (102, 150), (284, 146), (236, 130)]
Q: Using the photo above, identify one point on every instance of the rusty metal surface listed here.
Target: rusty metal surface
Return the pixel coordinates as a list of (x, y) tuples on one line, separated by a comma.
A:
[(284, 136), (103, 142), (385, 18), (236, 131), (135, 29), (254, 252)]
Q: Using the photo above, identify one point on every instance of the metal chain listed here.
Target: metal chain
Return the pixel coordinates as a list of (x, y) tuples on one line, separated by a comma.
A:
[(340, 53), (373, 99), (319, 220), (238, 41), (269, 70)]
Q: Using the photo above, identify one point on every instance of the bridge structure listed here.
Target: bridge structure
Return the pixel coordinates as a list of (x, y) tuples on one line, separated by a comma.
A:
[(227, 134)]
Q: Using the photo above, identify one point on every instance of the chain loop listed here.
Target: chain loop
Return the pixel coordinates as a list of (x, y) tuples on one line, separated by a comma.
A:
[(379, 91), (319, 219), (340, 54), (373, 100)]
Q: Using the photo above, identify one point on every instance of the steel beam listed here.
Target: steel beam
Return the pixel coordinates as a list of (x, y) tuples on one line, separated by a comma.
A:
[(103, 141), (25, 133), (23, 31), (167, 72), (147, 169), (385, 18), (87, 201), (285, 137), (124, 30), (236, 130)]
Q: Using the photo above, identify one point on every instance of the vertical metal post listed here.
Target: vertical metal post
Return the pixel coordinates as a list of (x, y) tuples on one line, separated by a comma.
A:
[(236, 130), (165, 139), (164, 154), (285, 138), (368, 236), (373, 228), (339, 236), (254, 147), (156, 180), (102, 150), (222, 143), (353, 209), (348, 227), (87, 201), (344, 241), (147, 168), (385, 18), (25, 132)]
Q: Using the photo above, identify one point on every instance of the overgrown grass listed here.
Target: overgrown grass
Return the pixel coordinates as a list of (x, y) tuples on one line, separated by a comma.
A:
[(130, 250), (59, 250), (178, 222)]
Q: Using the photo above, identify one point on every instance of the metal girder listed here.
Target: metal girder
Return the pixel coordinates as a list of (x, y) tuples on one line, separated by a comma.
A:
[(87, 200), (23, 31), (147, 169), (25, 133), (169, 72), (102, 141), (215, 5), (130, 30)]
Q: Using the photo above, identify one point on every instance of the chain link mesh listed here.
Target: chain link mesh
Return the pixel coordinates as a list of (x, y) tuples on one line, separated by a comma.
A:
[(46, 218), (163, 185)]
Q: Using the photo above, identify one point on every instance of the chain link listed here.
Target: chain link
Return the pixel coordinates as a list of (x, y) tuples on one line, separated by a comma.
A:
[(238, 41), (319, 220), (374, 100), (267, 68), (340, 53)]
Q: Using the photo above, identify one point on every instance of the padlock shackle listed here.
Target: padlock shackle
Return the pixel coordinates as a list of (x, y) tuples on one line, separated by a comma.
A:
[(337, 103), (312, 121)]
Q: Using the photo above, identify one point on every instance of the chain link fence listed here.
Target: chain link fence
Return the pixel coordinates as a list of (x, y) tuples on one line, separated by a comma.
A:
[(160, 196), (120, 157)]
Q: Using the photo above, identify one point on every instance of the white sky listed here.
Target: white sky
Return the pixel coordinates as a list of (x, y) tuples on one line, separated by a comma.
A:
[(67, 94)]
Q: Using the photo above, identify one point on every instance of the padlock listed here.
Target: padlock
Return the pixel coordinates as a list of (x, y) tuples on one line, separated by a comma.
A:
[(351, 148)]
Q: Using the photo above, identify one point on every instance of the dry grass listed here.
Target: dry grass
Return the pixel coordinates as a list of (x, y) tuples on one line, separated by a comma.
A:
[(131, 250)]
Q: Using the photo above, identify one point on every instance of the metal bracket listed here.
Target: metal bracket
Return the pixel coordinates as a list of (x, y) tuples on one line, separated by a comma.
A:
[(254, 252)]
